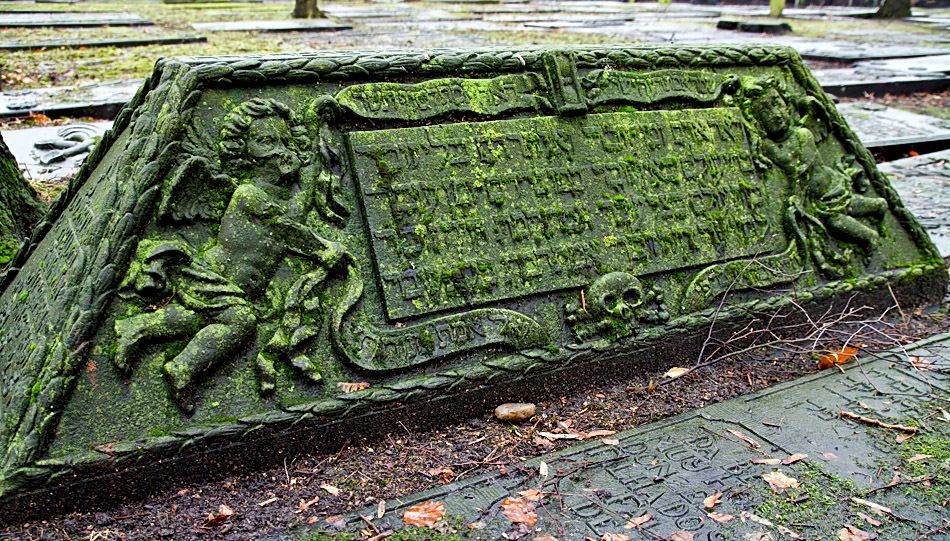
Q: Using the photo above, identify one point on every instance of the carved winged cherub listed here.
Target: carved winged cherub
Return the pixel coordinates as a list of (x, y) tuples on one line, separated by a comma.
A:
[(824, 201), (209, 294)]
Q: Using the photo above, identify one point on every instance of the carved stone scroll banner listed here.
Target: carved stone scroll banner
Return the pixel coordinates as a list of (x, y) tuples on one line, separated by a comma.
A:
[(447, 229)]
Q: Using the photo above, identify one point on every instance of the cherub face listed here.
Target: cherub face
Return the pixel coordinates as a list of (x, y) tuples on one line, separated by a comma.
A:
[(270, 152), (773, 113)]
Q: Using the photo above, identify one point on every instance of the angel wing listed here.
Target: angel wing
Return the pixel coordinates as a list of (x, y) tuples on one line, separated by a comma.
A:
[(195, 193)]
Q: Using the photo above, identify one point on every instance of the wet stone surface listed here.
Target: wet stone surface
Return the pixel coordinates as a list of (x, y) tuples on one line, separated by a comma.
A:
[(70, 18), (87, 43), (667, 469), (291, 25), (881, 126), (923, 183), (54, 153), (98, 100)]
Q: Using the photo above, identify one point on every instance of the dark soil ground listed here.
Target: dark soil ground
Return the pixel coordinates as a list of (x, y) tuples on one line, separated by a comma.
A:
[(311, 489)]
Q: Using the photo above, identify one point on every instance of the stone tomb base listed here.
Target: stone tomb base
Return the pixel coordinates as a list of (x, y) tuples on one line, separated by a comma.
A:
[(270, 253)]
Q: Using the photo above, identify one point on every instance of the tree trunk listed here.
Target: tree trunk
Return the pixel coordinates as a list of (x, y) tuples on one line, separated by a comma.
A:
[(776, 7), (307, 9), (893, 9)]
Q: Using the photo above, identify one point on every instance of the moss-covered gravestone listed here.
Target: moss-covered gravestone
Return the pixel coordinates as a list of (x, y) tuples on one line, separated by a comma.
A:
[(20, 207), (438, 230)]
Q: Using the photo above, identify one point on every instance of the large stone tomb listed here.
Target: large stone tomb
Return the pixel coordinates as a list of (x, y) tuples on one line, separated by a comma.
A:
[(272, 254)]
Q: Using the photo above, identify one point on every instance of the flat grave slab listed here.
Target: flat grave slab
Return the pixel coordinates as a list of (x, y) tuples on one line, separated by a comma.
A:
[(269, 253), (653, 481), (102, 100), (755, 27), (291, 25), (811, 49), (69, 18), (923, 183), (881, 127), (54, 153), (89, 43), (354, 12), (931, 65), (854, 83)]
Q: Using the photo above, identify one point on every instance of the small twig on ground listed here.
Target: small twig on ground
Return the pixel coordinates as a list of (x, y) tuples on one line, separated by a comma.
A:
[(875, 422), (370, 522), (911, 481), (942, 529), (893, 296)]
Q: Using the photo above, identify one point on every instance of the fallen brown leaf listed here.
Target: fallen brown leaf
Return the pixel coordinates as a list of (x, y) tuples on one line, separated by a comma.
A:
[(755, 518), (475, 525), (918, 457), (424, 514), (675, 372), (743, 437), (614, 537), (876, 507), (769, 461), (352, 387), (780, 480), (901, 438), (543, 442), (719, 517), (214, 520), (639, 521), (331, 489), (682, 535), (304, 505), (599, 433), (313, 520), (923, 365), (381, 509), (337, 521), (533, 495), (710, 501), (829, 456), (836, 357), (788, 532), (869, 520), (267, 502), (850, 533), (608, 441), (518, 510), (794, 458)]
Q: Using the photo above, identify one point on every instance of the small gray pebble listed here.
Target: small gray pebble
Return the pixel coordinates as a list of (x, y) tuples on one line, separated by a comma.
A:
[(515, 412)]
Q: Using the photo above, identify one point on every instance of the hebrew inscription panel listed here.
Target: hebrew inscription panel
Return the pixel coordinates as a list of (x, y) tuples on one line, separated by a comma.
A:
[(471, 213)]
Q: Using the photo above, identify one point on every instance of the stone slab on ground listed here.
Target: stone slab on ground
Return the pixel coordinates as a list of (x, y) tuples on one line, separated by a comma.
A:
[(667, 469), (923, 183), (69, 18), (102, 100), (90, 43), (53, 164), (831, 50), (289, 25), (879, 126), (851, 83), (930, 65), (755, 27)]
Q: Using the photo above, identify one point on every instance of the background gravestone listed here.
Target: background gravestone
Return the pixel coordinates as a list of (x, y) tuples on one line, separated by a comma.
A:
[(20, 207), (269, 253)]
